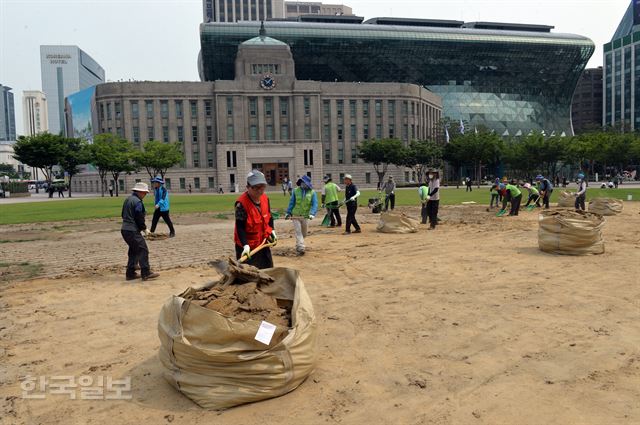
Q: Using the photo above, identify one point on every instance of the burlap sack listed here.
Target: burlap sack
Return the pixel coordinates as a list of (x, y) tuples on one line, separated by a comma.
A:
[(566, 199), (570, 232), (216, 361), (605, 206), (396, 223)]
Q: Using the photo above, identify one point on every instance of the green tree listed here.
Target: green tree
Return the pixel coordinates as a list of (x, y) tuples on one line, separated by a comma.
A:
[(40, 151), (158, 157), (9, 171), (475, 149), (76, 152), (382, 153), (422, 155), (111, 154)]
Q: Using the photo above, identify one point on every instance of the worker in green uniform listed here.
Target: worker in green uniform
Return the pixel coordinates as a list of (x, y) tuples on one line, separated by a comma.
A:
[(513, 195), (534, 195), (330, 201), (303, 206), (423, 193)]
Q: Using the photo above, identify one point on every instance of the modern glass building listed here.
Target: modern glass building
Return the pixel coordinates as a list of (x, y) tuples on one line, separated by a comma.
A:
[(508, 77), (621, 105), (7, 115)]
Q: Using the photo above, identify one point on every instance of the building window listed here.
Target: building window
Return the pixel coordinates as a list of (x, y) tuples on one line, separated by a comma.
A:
[(405, 132), (378, 131), (101, 113), (339, 108), (134, 110), (269, 132), (378, 108), (327, 156), (307, 106), (180, 133), (326, 109), (253, 133), (354, 155), (253, 110), (413, 108), (211, 183), (210, 159), (179, 112), (149, 105), (194, 134), (326, 132), (196, 157), (196, 182), (194, 109), (118, 110), (268, 103), (182, 183), (365, 131), (230, 132), (108, 111), (284, 132), (352, 108), (119, 132), (340, 156), (367, 178), (136, 136), (365, 108), (231, 159), (391, 105), (405, 108), (165, 134), (209, 134), (340, 132), (164, 109), (353, 132), (167, 183), (150, 135), (392, 131), (308, 157), (207, 108), (229, 106), (284, 106), (307, 131)]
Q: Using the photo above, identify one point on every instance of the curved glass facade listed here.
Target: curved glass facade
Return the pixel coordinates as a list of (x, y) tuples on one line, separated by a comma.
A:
[(509, 81)]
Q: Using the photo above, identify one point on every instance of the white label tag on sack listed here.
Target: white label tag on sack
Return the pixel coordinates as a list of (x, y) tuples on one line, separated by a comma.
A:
[(265, 332)]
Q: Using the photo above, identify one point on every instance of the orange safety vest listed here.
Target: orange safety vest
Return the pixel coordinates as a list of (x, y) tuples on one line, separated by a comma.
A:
[(257, 226)]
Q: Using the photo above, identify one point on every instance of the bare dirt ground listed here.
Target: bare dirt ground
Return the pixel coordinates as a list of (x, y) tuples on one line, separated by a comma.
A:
[(468, 324)]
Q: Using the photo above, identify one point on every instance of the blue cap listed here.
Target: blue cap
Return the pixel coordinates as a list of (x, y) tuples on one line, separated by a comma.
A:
[(581, 176), (157, 179), (539, 177)]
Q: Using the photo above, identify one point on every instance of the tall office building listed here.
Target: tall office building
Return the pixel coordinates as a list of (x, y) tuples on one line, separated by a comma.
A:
[(7, 115), (34, 112), (621, 105), (242, 10), (294, 9), (586, 107), (65, 70)]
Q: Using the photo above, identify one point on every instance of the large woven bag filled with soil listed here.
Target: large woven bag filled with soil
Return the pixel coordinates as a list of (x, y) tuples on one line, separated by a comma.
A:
[(605, 206), (566, 200), (570, 232), (396, 223), (217, 349)]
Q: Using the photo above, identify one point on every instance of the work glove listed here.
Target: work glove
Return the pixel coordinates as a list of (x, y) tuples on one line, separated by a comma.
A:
[(311, 217), (246, 251), (146, 232), (273, 238), (287, 216), (352, 199), (428, 197), (157, 206)]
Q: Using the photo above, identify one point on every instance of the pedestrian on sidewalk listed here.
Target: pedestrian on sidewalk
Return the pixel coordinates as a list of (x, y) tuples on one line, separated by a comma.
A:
[(351, 195), (303, 206), (133, 213), (389, 189), (161, 200), (433, 198), (110, 189), (254, 222), (330, 201)]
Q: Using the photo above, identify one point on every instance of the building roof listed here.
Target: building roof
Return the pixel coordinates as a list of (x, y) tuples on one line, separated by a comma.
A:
[(263, 41)]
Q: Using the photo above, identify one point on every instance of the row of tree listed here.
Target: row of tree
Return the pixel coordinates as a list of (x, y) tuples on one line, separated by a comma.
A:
[(521, 157), (109, 154)]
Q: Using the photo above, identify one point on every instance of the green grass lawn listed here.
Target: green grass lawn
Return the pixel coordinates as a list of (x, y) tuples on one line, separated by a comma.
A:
[(82, 209)]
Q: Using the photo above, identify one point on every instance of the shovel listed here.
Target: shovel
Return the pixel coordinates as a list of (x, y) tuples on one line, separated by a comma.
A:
[(260, 247), (326, 221), (501, 212)]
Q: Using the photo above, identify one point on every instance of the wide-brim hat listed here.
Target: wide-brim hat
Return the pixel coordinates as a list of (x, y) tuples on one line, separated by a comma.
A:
[(306, 180), (157, 179), (348, 176), (140, 187), (255, 177)]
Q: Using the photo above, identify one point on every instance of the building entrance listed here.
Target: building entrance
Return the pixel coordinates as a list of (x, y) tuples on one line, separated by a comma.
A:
[(274, 172)]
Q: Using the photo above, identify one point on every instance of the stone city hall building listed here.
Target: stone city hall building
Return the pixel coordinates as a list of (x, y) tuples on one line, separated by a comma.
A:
[(264, 119)]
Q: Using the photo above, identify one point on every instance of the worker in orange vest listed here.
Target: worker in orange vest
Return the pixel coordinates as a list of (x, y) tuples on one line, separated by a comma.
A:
[(254, 222)]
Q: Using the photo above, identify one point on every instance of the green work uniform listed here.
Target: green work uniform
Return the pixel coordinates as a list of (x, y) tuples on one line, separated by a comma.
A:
[(513, 190), (330, 193), (303, 203)]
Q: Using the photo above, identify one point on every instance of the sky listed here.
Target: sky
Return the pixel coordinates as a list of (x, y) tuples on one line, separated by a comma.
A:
[(159, 39)]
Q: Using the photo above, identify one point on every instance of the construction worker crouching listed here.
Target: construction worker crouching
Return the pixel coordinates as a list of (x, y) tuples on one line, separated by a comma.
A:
[(133, 213), (254, 223), (534, 195), (303, 206), (330, 201), (513, 195)]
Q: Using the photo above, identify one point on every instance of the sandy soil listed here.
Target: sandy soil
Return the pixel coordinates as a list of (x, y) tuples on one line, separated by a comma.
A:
[(469, 324)]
